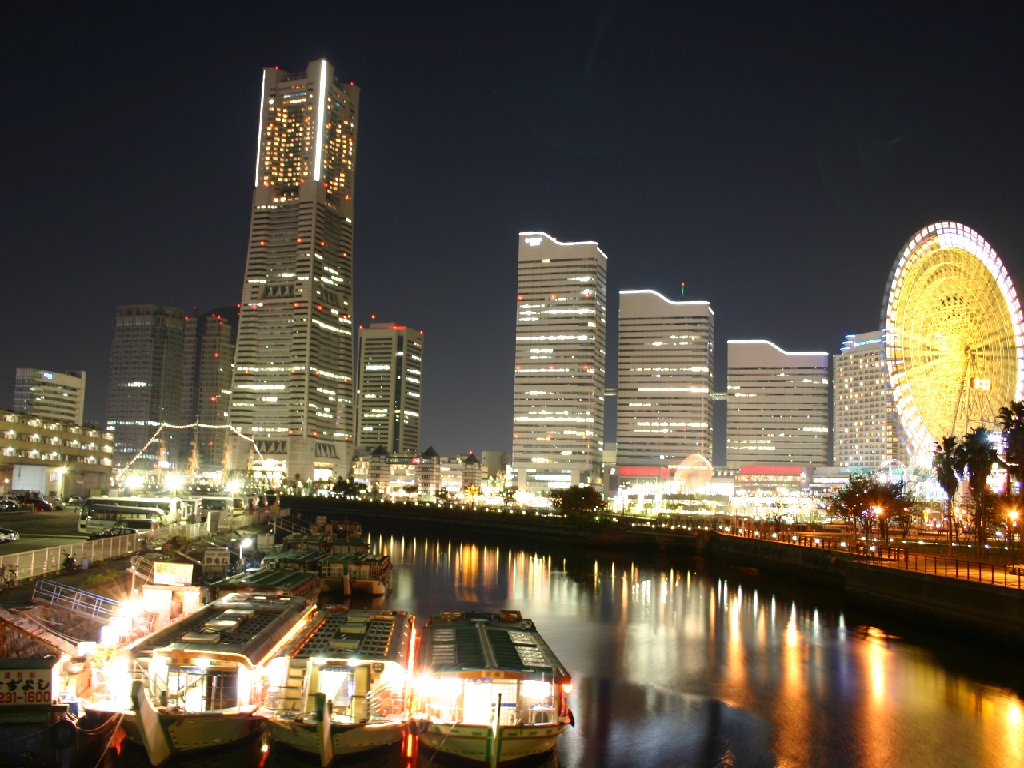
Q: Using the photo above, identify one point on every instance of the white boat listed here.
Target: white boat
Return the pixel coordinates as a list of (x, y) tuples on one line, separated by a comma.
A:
[(339, 686), (368, 574), (204, 674), (487, 688)]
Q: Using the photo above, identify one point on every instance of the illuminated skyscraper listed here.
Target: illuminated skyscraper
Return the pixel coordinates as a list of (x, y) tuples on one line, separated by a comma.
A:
[(777, 405), (865, 426), (292, 390), (561, 316), (666, 376), (390, 376), (144, 389)]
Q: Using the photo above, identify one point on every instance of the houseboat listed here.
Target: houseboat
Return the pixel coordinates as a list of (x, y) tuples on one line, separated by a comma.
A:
[(202, 677), (269, 581), (368, 574), (487, 688), (339, 686)]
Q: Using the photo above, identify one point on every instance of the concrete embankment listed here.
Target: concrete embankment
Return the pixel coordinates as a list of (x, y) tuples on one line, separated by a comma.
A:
[(984, 611), (496, 527)]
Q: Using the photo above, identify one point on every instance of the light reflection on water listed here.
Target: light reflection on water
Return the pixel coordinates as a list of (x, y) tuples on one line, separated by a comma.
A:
[(692, 666), (678, 664)]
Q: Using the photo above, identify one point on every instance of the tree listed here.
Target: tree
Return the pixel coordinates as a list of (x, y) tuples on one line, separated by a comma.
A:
[(906, 507), (1011, 421), (578, 503), (863, 501), (976, 455), (945, 460)]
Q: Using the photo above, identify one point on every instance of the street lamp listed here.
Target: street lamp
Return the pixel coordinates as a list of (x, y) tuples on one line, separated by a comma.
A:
[(1013, 514), (243, 544)]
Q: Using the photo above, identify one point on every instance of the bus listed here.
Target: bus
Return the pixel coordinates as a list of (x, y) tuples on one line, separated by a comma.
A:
[(98, 517), (101, 512)]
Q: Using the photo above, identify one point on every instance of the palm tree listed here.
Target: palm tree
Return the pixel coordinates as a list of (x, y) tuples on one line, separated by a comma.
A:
[(1011, 420), (948, 474), (976, 454)]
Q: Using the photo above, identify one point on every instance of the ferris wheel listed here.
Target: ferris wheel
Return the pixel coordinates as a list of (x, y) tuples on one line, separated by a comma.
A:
[(953, 335)]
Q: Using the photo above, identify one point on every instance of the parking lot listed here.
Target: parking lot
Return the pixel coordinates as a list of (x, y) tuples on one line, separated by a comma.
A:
[(40, 529)]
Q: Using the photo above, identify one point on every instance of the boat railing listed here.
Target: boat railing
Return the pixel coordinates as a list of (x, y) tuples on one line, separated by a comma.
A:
[(511, 716), (386, 701)]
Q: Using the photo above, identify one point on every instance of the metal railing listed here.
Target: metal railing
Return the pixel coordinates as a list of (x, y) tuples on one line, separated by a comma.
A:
[(1010, 576), (40, 562)]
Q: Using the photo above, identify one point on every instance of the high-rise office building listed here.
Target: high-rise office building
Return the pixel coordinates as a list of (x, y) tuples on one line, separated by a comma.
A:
[(561, 325), (293, 391), (666, 377), (144, 390), (50, 394), (865, 425), (777, 405), (390, 385), (209, 349)]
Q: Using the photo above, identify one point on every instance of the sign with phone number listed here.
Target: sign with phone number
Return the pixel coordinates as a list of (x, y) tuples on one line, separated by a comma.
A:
[(26, 686)]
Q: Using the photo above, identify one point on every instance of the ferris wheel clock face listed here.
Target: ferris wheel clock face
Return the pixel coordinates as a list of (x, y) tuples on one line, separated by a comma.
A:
[(953, 335)]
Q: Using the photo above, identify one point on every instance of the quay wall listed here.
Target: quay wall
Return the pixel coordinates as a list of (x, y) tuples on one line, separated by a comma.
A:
[(985, 611), (823, 568), (499, 527)]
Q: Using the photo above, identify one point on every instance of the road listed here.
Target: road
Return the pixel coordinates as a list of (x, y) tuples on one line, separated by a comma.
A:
[(40, 529)]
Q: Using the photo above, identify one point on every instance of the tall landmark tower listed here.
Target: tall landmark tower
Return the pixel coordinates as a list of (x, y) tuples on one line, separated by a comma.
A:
[(292, 388), (561, 318)]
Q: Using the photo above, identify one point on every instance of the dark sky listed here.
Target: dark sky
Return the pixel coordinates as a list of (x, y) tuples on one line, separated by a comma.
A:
[(773, 157)]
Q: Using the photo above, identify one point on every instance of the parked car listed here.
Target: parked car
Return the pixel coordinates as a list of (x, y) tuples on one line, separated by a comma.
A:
[(9, 505), (75, 501), (55, 502), (6, 534), (39, 505), (116, 530)]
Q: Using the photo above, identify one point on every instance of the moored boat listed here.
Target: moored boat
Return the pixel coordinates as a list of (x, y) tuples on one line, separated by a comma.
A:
[(203, 676), (369, 574), (269, 581), (487, 688), (339, 686)]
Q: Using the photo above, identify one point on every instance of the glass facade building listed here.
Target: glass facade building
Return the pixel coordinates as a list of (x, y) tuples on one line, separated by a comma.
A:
[(390, 387), (50, 394), (666, 377), (293, 390), (561, 326)]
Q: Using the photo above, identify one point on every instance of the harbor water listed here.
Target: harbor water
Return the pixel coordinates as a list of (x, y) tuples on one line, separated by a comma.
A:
[(679, 663)]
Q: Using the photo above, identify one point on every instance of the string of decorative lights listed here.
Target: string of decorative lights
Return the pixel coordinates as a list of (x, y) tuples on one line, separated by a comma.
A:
[(193, 425)]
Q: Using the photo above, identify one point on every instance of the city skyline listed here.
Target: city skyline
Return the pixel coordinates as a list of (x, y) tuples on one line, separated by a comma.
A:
[(798, 186)]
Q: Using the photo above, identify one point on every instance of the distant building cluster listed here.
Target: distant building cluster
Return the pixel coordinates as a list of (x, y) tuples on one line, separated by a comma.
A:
[(283, 389)]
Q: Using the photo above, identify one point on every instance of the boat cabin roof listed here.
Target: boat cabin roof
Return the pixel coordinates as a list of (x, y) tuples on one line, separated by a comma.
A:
[(296, 557), (334, 633), (305, 539), (456, 642), (239, 625), (270, 580), (369, 559)]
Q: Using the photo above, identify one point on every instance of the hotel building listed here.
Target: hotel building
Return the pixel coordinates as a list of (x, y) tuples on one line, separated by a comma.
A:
[(49, 394), (865, 426), (666, 376), (778, 406), (292, 391), (390, 386), (561, 319), (144, 390)]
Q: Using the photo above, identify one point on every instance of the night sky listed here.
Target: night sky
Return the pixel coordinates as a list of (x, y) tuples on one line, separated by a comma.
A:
[(774, 158)]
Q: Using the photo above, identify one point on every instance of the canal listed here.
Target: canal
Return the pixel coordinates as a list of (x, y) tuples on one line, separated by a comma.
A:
[(678, 663)]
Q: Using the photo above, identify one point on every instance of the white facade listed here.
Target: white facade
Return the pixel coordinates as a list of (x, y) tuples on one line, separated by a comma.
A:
[(390, 387), (293, 389), (49, 394), (778, 406), (865, 425), (561, 325), (666, 376)]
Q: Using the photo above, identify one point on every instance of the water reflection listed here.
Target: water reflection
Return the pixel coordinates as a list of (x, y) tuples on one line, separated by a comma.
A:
[(678, 664)]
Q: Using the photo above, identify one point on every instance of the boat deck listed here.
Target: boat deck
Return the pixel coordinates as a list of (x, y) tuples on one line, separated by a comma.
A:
[(366, 635), (455, 642), (271, 581), (245, 625)]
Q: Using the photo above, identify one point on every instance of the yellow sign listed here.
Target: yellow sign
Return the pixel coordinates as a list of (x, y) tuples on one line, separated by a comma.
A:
[(172, 573), (985, 384)]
